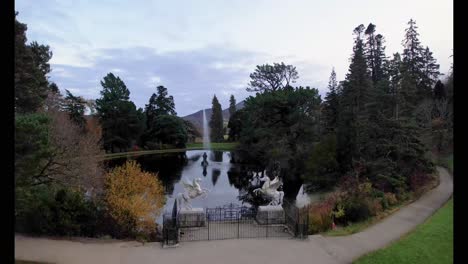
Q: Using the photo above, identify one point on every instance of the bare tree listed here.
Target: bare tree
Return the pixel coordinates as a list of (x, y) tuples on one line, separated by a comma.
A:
[(73, 160)]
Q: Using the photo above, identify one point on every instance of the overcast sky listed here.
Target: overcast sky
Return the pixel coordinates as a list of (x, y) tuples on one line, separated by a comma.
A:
[(200, 48)]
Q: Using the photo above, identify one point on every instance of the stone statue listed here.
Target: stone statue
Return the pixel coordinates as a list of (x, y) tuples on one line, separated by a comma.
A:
[(270, 189), (204, 162), (192, 191)]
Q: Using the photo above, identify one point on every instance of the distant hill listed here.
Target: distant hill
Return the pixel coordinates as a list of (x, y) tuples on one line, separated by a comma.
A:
[(197, 118)]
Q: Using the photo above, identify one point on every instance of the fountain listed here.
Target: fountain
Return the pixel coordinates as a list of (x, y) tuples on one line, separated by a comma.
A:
[(206, 133)]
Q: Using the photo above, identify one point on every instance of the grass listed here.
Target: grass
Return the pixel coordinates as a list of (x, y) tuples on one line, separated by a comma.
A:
[(191, 146), (430, 242)]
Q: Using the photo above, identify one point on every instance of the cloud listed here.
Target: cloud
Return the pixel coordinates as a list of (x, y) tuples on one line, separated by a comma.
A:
[(192, 77)]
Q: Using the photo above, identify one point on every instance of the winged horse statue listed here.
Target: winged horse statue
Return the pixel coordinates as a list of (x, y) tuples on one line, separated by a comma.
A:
[(270, 189), (192, 191)]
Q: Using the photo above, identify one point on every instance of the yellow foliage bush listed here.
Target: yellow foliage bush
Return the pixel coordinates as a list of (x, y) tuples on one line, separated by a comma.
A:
[(134, 198)]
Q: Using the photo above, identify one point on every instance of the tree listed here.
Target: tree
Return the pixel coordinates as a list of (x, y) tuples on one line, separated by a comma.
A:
[(117, 114), (280, 127), (31, 68), (267, 78), (354, 104), (235, 124), (169, 129), (232, 105), (134, 198), (375, 53), (430, 72), (216, 122), (331, 103), (160, 104), (419, 64), (32, 148), (75, 107), (439, 91), (51, 149), (192, 131)]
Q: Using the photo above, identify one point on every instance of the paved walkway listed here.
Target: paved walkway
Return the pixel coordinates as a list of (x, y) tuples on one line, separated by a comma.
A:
[(316, 249)]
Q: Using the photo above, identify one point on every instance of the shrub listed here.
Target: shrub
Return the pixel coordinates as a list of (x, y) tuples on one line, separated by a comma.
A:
[(391, 198), (45, 210), (134, 199)]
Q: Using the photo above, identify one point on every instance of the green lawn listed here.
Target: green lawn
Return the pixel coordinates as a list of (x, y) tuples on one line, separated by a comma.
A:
[(430, 242)]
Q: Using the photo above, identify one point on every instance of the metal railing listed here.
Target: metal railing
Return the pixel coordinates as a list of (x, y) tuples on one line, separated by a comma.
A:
[(235, 222)]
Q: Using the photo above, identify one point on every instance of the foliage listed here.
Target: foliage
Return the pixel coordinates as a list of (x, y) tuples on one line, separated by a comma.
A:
[(56, 211), (232, 105), (167, 129), (216, 122), (117, 114), (321, 166), (31, 68), (134, 198), (32, 147), (270, 78), (280, 126), (75, 107), (330, 105), (320, 216), (160, 104), (235, 124)]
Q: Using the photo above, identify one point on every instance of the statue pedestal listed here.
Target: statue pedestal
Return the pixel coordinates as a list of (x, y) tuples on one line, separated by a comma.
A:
[(270, 214), (191, 218)]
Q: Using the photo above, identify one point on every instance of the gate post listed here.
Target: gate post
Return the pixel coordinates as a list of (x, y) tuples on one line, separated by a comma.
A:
[(208, 223), (238, 223)]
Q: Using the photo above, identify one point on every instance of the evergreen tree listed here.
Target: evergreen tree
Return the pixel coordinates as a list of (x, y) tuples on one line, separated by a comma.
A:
[(330, 108), (216, 122), (75, 107), (430, 72), (439, 91), (395, 79), (31, 68), (354, 104), (160, 104), (117, 114), (412, 53), (232, 105)]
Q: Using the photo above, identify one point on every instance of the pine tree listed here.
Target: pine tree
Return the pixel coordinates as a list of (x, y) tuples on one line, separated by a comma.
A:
[(216, 122), (160, 104), (354, 104), (117, 114), (430, 72), (330, 107), (232, 105), (439, 91), (75, 106), (395, 79), (31, 68)]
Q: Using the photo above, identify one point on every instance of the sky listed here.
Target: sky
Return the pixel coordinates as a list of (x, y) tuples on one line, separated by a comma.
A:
[(202, 48)]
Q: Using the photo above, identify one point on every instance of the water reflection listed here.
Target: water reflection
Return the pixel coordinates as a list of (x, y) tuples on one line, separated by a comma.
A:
[(215, 175), (228, 182)]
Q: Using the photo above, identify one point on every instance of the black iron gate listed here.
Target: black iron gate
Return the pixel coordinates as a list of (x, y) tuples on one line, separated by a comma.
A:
[(234, 221)]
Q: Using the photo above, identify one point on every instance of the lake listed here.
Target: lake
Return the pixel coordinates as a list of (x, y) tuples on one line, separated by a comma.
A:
[(227, 181)]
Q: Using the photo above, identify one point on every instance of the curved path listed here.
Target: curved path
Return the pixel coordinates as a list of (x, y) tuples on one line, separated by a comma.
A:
[(316, 249)]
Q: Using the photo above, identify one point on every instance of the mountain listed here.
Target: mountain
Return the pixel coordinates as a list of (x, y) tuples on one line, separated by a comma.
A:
[(197, 118)]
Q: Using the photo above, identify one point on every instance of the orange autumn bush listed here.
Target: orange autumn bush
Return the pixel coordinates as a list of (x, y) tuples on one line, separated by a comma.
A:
[(134, 199)]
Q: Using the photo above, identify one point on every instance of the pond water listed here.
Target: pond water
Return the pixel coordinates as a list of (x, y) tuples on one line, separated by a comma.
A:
[(227, 182)]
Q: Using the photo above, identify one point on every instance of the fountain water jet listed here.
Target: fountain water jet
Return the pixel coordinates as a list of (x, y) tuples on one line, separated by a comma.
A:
[(206, 133)]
